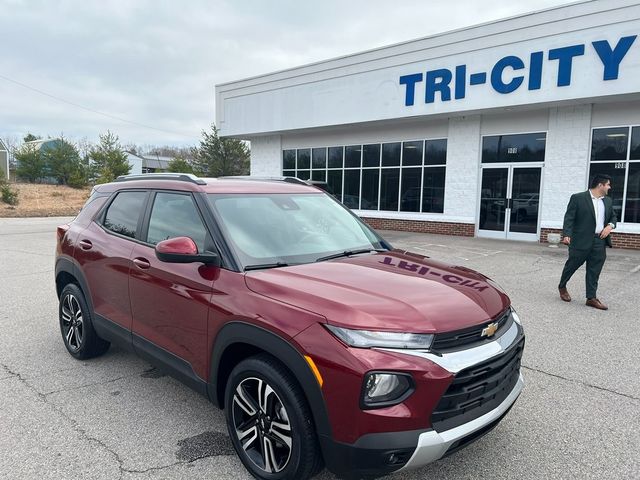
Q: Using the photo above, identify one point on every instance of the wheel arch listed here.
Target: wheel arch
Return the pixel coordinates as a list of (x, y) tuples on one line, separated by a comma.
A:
[(238, 340), (68, 272)]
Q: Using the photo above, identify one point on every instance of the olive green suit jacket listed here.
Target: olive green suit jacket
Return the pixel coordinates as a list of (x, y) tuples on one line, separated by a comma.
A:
[(580, 220)]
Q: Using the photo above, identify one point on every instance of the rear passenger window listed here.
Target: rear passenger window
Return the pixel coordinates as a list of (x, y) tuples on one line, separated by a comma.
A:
[(123, 213), (175, 215)]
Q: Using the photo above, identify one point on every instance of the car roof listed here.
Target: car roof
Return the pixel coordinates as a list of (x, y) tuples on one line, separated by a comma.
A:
[(223, 185)]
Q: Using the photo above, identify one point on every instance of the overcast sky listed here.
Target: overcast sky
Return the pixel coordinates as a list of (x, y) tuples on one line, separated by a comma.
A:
[(146, 70)]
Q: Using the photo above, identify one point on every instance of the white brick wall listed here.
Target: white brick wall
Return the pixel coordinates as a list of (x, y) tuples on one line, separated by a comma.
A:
[(463, 157), (266, 156), (566, 162)]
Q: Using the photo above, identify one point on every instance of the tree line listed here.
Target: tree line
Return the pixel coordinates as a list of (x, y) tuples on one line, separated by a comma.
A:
[(62, 162)]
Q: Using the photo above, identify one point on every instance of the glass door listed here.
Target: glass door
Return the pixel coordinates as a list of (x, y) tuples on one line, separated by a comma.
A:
[(493, 202), (510, 202), (524, 203)]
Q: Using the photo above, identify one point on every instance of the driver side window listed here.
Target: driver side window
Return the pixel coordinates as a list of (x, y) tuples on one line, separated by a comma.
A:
[(175, 215)]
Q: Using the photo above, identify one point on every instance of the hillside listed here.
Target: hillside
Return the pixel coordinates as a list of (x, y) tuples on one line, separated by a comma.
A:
[(36, 200)]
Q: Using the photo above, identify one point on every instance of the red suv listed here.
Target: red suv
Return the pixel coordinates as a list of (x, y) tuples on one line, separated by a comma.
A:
[(323, 344)]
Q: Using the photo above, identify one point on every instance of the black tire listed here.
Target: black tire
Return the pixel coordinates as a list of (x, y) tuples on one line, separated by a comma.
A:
[(284, 415), (76, 325)]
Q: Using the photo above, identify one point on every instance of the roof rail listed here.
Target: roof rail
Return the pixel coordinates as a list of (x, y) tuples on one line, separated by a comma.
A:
[(183, 177), (266, 179)]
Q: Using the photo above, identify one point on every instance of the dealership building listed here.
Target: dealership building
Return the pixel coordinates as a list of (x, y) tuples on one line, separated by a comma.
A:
[(484, 131)]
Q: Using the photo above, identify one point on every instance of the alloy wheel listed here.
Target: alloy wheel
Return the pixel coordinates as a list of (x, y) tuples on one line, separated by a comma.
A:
[(72, 322), (262, 425)]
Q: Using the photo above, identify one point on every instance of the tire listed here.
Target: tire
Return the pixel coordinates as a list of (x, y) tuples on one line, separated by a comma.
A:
[(76, 325), (266, 411)]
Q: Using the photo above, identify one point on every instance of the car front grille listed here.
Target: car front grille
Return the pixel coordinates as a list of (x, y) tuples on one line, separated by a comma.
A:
[(449, 341), (478, 390)]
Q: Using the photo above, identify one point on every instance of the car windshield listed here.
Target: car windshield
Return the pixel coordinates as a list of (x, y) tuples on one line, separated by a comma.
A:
[(273, 230)]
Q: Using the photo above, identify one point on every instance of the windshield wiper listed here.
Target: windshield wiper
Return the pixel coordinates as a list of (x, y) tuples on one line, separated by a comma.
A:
[(348, 253), (265, 266)]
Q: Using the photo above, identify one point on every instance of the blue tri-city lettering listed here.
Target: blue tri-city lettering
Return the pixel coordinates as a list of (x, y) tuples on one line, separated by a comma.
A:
[(439, 81)]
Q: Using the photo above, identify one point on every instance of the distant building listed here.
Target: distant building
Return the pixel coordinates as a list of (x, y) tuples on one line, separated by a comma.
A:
[(155, 163), (43, 144), (136, 162), (4, 161)]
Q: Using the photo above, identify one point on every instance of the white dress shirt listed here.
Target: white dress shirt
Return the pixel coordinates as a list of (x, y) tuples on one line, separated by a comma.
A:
[(598, 208)]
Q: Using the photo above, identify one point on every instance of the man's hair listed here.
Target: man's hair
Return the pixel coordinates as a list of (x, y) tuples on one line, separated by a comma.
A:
[(599, 178)]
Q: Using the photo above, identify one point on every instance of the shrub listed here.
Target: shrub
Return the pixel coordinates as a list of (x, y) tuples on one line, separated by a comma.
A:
[(9, 195)]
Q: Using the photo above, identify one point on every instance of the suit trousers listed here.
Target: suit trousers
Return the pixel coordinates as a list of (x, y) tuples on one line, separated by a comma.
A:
[(594, 256)]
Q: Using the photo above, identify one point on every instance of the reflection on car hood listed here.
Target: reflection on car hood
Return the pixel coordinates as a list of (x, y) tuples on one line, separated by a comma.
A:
[(391, 291)]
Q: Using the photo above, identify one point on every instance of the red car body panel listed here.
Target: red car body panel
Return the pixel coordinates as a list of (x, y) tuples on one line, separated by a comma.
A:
[(342, 369), (386, 291), (170, 305), (106, 266)]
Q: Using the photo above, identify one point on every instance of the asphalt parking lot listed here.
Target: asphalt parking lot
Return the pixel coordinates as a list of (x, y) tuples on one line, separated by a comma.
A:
[(118, 417)]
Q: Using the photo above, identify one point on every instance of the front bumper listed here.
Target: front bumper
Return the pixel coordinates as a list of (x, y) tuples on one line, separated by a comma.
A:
[(377, 454), (433, 445)]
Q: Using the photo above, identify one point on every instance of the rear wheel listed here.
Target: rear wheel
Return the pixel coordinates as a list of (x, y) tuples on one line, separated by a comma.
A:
[(76, 325), (269, 421)]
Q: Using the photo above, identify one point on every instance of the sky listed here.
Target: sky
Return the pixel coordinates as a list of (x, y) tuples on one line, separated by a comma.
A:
[(147, 70)]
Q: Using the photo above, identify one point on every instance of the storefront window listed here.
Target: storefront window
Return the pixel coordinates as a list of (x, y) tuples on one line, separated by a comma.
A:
[(611, 155), (395, 177), (610, 144), (371, 155), (632, 201), (304, 159), (288, 159), (412, 153), (370, 180), (335, 157), (319, 158), (436, 152), (524, 147), (391, 154)]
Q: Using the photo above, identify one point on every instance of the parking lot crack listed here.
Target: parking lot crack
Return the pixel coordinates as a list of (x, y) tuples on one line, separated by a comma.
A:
[(585, 384), (155, 469), (74, 424), (80, 387)]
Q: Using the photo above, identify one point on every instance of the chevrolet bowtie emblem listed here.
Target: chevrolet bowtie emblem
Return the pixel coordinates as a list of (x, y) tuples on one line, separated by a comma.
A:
[(490, 330)]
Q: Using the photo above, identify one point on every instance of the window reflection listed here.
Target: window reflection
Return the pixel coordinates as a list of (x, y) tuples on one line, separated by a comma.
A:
[(524, 147), (396, 176), (609, 144)]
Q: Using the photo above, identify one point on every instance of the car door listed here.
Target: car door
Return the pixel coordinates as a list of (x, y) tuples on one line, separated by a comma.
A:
[(104, 254), (170, 301)]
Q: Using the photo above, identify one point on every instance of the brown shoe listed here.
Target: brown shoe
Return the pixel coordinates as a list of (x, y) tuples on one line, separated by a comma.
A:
[(595, 303), (564, 294)]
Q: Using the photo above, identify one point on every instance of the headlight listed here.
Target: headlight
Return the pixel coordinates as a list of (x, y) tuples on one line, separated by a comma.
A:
[(515, 316), (384, 389), (368, 339)]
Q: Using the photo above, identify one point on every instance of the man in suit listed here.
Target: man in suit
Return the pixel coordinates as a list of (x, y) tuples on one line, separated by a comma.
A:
[(587, 226)]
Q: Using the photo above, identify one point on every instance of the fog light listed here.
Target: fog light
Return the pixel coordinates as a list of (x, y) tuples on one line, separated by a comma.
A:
[(383, 389)]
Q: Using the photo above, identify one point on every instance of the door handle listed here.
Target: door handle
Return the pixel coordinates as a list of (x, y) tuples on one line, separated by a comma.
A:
[(85, 244), (141, 263), (509, 202)]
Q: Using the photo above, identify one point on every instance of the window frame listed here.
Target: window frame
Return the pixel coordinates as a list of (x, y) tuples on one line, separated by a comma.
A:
[(149, 209), (101, 217), (422, 166), (627, 163)]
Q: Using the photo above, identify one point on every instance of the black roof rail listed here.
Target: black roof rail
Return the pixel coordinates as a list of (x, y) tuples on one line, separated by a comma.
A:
[(183, 177), (267, 179)]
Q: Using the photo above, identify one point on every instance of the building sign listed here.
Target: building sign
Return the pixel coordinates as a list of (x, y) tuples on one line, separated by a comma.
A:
[(513, 72)]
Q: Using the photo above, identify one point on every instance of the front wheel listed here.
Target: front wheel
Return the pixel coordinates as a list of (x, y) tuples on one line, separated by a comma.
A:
[(269, 421), (76, 325)]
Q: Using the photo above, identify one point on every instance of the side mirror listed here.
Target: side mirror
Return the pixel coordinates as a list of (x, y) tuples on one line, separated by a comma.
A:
[(184, 250)]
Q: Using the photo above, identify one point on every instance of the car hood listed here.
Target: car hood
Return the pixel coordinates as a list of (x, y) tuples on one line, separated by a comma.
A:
[(388, 291)]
